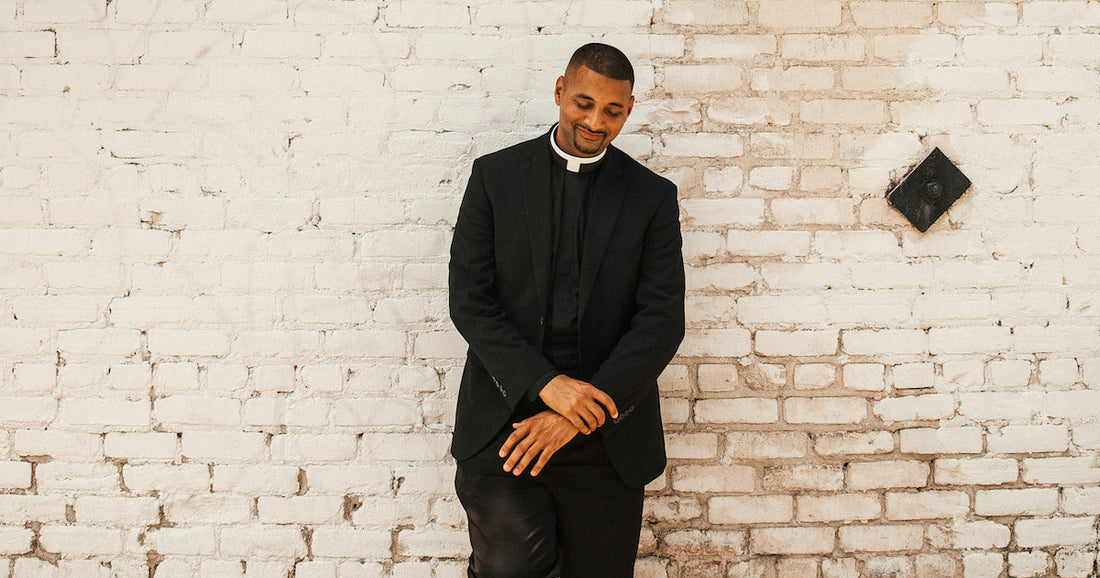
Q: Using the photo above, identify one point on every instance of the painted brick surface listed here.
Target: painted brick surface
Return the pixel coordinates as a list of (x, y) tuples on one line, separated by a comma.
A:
[(224, 343)]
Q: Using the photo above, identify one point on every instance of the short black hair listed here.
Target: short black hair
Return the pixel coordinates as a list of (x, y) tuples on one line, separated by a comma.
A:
[(603, 59)]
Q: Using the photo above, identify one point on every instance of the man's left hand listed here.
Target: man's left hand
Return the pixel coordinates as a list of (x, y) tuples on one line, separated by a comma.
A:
[(540, 435)]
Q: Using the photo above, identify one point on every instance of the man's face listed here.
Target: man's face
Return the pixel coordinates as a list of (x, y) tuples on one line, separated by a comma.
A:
[(593, 109)]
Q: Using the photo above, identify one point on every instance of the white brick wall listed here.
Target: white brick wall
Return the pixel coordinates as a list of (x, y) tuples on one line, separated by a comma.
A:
[(224, 345)]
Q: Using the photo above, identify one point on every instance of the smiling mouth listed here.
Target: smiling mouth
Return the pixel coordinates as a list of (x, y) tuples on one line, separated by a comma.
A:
[(590, 134)]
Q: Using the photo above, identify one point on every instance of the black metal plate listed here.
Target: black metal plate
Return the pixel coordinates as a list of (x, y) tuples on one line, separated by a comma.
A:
[(926, 193)]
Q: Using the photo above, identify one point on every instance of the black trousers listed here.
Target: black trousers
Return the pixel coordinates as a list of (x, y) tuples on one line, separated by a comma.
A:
[(576, 519)]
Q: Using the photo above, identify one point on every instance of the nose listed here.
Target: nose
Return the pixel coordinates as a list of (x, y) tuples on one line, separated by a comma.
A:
[(595, 121)]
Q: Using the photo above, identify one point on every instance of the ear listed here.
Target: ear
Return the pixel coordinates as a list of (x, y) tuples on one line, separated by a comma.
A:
[(630, 105), (559, 87)]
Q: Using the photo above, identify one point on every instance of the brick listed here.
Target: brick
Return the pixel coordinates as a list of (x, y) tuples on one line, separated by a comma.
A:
[(58, 444), (800, 15), (1059, 13), (767, 445), (59, 476), (263, 541), (104, 414), (190, 46), (1070, 563), (963, 340), (914, 376), (803, 540), (1064, 471), (892, 14), (814, 376), (81, 540), (915, 407), (19, 508), (716, 343), (750, 509), (881, 538), (167, 478), (1018, 112), (135, 446), (691, 445), (1043, 532), (123, 512), (853, 443), (169, 11), (28, 44), (738, 47), (27, 410), (197, 410), (944, 440), (717, 378), (673, 508), (831, 410), (803, 477), (15, 475), (885, 341), (864, 376), (1073, 404), (1087, 436), (983, 15), (926, 504), (1021, 502), (768, 243), (182, 541), (981, 535), (980, 471), (740, 410), (1028, 439), (998, 405), (888, 474), (220, 446), (693, 541), (702, 145), (738, 212), (15, 540), (349, 542), (838, 507), (300, 509), (983, 564), (1081, 500), (281, 44)]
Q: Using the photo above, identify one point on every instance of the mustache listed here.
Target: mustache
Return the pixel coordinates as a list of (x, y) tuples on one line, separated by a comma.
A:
[(586, 127)]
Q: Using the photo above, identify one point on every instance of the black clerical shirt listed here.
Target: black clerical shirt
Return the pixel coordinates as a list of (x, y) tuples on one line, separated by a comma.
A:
[(571, 190)]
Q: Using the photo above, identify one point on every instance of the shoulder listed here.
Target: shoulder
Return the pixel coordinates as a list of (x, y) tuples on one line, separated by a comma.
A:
[(508, 156), (640, 175)]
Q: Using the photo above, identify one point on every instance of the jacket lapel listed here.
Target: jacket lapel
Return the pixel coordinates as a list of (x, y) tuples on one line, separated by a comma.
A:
[(538, 208), (607, 197)]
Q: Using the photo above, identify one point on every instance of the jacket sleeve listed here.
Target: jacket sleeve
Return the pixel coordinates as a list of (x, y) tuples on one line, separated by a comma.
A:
[(657, 327), (514, 364)]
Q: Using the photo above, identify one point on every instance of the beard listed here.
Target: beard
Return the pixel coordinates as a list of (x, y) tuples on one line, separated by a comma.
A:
[(584, 145)]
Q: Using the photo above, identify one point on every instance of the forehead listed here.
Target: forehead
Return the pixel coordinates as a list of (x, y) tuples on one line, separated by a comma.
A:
[(583, 81)]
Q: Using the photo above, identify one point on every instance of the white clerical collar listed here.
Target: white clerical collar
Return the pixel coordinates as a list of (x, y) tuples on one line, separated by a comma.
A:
[(572, 163)]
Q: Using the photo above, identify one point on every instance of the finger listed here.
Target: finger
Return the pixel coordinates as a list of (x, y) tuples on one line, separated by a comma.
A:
[(511, 441), (543, 458), (526, 459), (517, 454), (577, 422), (597, 414), (607, 402)]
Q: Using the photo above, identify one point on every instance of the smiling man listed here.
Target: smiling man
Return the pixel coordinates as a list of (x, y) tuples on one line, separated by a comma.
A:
[(567, 282)]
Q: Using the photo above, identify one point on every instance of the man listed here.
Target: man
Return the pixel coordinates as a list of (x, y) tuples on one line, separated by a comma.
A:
[(567, 281)]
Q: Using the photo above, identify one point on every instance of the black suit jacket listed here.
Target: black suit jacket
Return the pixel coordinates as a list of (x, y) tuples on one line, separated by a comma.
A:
[(631, 308)]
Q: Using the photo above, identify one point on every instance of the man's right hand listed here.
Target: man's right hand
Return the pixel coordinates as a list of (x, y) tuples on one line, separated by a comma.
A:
[(579, 402)]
